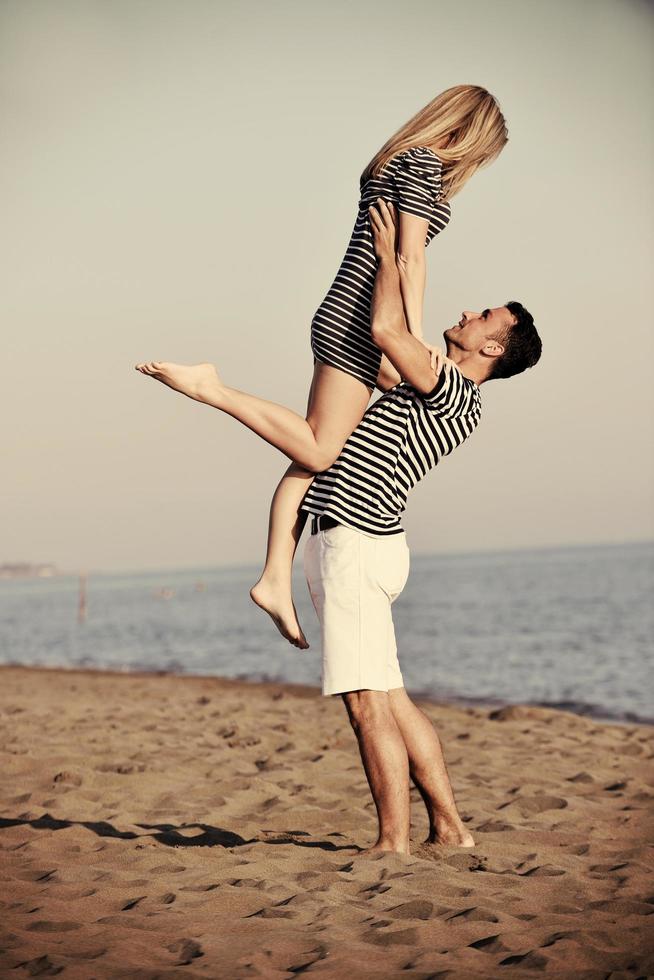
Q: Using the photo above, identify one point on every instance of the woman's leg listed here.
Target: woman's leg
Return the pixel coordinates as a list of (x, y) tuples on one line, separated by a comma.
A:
[(335, 398), (337, 402), (273, 591), (313, 443)]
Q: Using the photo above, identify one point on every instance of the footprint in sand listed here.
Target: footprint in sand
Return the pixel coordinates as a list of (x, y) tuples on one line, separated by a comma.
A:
[(417, 909), (529, 805), (91, 953), (132, 903), (542, 870), (474, 914), (122, 768), (613, 787), (246, 883), (243, 741), (581, 777), (491, 826), (201, 888), (377, 888), (490, 944), (66, 778), (403, 937), (39, 875), (41, 966), (44, 926), (187, 950), (556, 936), (530, 960)]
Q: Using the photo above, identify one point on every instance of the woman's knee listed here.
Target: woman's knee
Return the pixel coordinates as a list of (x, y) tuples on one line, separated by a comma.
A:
[(321, 458)]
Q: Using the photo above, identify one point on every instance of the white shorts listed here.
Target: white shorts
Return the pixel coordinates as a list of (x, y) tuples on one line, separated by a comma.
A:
[(353, 578)]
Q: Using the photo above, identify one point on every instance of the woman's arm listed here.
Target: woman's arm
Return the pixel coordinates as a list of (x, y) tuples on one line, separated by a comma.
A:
[(388, 376), (412, 267), (406, 354)]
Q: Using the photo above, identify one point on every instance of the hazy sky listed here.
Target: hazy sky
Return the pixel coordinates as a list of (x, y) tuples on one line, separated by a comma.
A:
[(179, 181)]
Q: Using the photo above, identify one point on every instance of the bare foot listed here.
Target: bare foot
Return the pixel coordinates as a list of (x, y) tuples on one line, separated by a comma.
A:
[(278, 603), (450, 835), (199, 381), (383, 849)]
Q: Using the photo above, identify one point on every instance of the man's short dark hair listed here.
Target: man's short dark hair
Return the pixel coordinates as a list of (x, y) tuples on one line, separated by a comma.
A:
[(522, 345)]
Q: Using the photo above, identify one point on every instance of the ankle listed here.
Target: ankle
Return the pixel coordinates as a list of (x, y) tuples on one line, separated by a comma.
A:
[(212, 391), (279, 578)]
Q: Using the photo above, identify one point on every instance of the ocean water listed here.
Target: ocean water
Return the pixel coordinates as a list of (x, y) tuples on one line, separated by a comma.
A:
[(568, 627)]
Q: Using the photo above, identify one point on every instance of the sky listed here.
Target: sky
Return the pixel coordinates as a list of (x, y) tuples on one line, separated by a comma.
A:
[(179, 181)]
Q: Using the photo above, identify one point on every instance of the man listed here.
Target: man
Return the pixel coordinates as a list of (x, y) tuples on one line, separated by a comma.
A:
[(356, 558)]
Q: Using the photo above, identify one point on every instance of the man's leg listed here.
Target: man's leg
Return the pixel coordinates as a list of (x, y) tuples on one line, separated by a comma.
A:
[(386, 764), (428, 771)]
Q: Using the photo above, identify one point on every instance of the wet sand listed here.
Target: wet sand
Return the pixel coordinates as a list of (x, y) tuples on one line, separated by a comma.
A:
[(158, 826)]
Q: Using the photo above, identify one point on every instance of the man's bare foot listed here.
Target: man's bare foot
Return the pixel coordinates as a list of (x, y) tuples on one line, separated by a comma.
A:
[(199, 381), (452, 834), (278, 603), (384, 849)]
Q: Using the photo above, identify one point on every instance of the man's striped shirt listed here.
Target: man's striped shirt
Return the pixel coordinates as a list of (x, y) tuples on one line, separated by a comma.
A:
[(402, 436)]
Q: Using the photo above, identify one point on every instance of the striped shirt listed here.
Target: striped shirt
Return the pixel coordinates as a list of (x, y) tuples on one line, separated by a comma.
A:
[(340, 329), (401, 436)]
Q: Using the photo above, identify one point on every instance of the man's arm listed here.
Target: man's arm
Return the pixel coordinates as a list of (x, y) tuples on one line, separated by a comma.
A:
[(388, 323)]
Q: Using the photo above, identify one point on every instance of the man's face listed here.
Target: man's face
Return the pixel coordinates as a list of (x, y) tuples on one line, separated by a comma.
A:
[(474, 331)]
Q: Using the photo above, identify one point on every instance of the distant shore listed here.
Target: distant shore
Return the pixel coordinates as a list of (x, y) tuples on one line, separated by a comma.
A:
[(162, 824)]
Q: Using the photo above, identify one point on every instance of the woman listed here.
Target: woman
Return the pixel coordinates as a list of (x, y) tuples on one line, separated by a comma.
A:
[(419, 169)]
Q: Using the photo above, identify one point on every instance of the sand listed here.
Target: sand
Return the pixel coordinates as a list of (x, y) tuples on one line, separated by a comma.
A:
[(163, 826)]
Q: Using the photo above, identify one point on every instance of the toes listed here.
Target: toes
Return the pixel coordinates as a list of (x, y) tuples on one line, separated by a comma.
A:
[(150, 367)]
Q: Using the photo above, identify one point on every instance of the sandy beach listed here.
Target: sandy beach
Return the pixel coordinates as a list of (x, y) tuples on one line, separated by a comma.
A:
[(163, 826)]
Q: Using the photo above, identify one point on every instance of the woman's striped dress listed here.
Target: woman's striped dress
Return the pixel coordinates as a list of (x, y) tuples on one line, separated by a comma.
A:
[(340, 329)]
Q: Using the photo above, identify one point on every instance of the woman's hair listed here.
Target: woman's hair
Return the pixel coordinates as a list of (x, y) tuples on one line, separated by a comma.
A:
[(469, 117)]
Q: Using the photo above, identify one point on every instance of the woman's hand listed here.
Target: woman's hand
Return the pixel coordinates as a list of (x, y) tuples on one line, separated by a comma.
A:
[(384, 229), (437, 357)]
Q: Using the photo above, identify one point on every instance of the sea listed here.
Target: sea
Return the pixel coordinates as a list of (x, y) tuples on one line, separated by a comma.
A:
[(569, 628)]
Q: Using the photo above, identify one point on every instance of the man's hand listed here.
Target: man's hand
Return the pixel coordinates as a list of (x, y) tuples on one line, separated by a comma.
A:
[(385, 230)]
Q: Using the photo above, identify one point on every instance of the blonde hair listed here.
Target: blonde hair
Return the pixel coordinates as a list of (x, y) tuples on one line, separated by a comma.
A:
[(466, 115)]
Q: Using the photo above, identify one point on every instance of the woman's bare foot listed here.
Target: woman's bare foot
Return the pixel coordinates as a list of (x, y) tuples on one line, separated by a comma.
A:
[(278, 603), (198, 381)]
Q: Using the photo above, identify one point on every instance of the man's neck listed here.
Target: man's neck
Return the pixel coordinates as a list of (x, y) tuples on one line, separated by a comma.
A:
[(469, 364)]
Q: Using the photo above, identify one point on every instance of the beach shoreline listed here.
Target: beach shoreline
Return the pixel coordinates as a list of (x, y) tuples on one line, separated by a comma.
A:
[(156, 824), (580, 709)]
